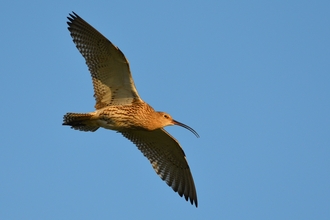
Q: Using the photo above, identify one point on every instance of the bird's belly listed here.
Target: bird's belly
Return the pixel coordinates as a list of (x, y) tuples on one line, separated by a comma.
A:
[(108, 124), (114, 124)]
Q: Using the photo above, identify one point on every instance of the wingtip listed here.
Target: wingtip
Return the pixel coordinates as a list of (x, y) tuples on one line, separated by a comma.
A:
[(196, 203), (72, 16), (192, 201)]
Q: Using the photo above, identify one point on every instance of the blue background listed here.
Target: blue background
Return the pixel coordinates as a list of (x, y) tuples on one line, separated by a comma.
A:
[(251, 77)]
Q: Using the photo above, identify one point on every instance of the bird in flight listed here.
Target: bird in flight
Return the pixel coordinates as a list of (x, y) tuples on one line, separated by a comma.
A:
[(120, 108)]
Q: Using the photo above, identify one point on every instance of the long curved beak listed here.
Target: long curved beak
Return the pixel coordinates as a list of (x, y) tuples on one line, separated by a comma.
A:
[(186, 127)]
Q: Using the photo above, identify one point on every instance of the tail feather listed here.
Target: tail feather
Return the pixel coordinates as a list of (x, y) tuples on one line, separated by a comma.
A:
[(80, 121)]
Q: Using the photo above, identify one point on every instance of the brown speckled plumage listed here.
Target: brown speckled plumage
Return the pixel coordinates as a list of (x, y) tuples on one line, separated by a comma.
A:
[(120, 108)]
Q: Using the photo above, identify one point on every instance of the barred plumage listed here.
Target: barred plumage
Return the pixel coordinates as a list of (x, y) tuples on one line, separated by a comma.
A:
[(119, 107)]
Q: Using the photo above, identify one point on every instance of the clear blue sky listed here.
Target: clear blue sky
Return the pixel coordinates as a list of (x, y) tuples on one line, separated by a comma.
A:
[(252, 78)]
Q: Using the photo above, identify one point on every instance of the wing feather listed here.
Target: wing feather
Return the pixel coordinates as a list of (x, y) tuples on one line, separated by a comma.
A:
[(112, 80), (167, 158)]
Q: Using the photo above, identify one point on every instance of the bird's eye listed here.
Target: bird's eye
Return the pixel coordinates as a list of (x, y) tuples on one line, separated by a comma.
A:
[(166, 116)]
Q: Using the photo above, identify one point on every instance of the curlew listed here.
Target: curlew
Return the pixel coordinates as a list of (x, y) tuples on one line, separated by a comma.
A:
[(120, 108)]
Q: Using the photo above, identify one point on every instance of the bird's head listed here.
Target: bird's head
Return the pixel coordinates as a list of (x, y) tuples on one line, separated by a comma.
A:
[(165, 119)]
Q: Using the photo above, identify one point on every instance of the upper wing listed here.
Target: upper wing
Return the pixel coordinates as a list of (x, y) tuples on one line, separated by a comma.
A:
[(167, 159), (112, 79)]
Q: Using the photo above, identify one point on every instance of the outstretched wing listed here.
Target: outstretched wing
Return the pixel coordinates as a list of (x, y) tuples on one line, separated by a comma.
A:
[(112, 79), (167, 159)]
